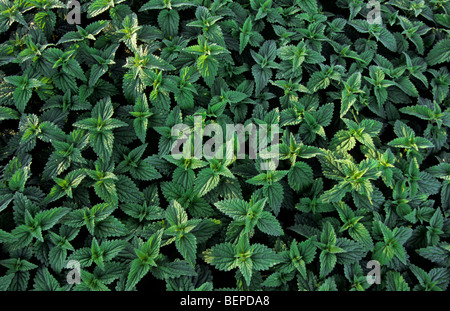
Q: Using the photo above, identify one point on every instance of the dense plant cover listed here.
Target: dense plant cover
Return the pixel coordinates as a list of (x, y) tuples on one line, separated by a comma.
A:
[(87, 172)]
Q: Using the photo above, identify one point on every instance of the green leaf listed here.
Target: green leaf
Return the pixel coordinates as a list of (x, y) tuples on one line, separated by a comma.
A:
[(208, 67), (263, 257), (396, 282), (187, 246), (308, 6), (274, 194), (144, 171), (439, 53), (327, 263), (5, 282), (235, 208), (169, 20), (269, 224), (360, 234), (44, 281), (99, 6), (207, 180), (8, 114), (221, 256), (261, 76), (47, 219), (138, 270), (300, 176), (387, 39), (46, 21)]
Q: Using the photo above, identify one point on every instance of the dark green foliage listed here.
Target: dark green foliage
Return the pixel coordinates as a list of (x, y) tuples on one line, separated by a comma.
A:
[(88, 172)]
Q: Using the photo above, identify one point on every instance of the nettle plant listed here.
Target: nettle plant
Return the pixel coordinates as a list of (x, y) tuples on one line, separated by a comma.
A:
[(89, 178)]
